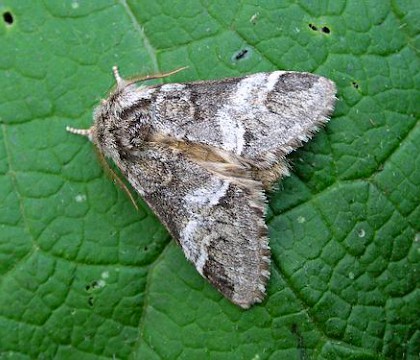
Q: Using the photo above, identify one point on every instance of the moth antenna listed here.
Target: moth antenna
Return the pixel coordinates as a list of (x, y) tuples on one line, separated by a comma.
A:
[(120, 81), (156, 76), (115, 177), (82, 132)]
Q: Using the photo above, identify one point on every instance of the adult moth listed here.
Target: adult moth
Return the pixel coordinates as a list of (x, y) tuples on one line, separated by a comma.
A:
[(201, 155)]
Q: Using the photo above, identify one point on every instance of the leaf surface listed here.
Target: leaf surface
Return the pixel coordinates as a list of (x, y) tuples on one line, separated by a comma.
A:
[(84, 275)]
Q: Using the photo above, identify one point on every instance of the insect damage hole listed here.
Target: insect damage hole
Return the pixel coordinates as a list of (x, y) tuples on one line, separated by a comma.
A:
[(241, 55), (324, 29), (313, 27), (8, 18)]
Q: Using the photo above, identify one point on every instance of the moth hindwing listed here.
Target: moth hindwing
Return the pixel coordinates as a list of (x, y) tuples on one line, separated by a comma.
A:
[(201, 155)]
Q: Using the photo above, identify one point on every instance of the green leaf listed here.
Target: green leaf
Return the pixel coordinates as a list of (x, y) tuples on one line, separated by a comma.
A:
[(85, 275)]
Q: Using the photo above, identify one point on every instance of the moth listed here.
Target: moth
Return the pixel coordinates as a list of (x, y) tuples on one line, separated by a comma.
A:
[(202, 154)]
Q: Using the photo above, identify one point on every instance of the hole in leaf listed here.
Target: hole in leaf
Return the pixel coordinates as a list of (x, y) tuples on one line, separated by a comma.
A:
[(92, 286), (241, 55), (313, 27), (324, 29), (8, 18), (355, 84)]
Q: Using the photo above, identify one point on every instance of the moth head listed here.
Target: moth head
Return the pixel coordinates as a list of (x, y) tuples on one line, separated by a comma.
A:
[(103, 113), (111, 125), (120, 121)]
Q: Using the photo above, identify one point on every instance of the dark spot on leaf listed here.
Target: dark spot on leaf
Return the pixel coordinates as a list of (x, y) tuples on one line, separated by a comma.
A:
[(324, 29), (90, 300), (8, 17), (313, 27), (92, 286), (241, 55)]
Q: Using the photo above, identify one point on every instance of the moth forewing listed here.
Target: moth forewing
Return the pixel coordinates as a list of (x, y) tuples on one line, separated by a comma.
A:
[(201, 153)]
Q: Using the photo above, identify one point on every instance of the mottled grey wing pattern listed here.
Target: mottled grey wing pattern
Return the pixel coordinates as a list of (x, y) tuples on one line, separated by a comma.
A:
[(201, 153), (260, 117), (218, 224)]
